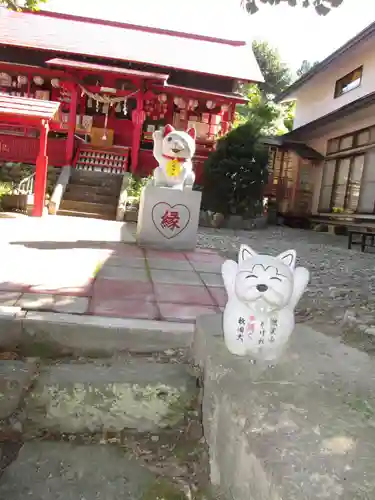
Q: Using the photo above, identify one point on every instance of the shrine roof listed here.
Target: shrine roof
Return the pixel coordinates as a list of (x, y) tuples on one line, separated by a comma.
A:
[(66, 34), (27, 109), (68, 63), (204, 93)]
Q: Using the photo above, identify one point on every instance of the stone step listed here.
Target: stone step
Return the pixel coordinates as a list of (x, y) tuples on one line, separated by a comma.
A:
[(16, 378), (58, 470), (88, 207), (87, 215), (87, 196), (95, 179), (109, 396), (92, 190), (61, 334)]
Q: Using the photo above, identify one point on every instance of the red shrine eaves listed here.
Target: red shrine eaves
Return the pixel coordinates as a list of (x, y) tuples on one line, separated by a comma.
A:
[(35, 113)]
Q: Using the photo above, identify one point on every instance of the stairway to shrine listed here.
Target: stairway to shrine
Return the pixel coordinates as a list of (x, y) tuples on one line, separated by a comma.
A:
[(97, 423), (91, 194)]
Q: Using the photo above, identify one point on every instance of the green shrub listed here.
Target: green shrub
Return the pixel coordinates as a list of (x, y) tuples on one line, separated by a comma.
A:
[(136, 184), (236, 172)]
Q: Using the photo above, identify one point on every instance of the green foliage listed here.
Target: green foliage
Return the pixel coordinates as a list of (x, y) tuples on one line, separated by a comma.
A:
[(26, 4), (236, 172), (135, 186), (322, 7), (305, 67), (271, 118), (277, 76)]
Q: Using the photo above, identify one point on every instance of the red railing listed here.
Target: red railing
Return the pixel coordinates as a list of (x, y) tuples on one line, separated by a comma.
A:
[(22, 149)]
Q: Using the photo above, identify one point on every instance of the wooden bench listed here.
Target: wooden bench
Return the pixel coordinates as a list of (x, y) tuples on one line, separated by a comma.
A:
[(367, 237)]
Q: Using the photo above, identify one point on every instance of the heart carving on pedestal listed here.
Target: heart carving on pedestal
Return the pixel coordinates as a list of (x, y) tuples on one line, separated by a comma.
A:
[(170, 220)]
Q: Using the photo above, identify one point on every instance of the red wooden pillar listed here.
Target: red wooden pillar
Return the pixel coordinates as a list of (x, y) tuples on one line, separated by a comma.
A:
[(41, 172), (138, 119), (71, 124)]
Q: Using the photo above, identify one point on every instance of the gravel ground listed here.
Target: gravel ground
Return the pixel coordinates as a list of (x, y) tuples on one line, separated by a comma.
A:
[(340, 298)]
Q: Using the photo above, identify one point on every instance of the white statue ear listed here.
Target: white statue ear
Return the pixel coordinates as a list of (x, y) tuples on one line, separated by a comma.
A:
[(289, 258), (245, 253)]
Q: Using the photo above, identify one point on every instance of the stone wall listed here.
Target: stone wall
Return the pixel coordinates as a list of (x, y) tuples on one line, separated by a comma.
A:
[(302, 430)]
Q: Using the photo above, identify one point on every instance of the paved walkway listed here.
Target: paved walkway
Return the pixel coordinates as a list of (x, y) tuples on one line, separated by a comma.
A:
[(48, 268)]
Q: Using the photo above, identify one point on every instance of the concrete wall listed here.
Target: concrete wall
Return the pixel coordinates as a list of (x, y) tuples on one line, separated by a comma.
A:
[(316, 97)]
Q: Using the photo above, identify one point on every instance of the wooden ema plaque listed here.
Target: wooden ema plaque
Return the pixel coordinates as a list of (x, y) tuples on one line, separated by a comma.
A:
[(111, 160)]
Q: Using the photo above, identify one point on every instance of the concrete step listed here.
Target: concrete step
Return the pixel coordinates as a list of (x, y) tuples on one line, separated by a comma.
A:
[(59, 334), (16, 378), (109, 396), (95, 179), (93, 190), (89, 207), (88, 196), (87, 215), (58, 470)]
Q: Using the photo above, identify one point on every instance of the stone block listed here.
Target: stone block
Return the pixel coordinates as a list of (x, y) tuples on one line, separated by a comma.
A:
[(102, 396), (64, 471), (168, 218), (10, 326), (15, 380), (301, 430), (62, 334)]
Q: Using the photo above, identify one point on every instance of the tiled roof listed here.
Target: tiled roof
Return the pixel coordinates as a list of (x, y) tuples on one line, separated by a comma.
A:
[(72, 36)]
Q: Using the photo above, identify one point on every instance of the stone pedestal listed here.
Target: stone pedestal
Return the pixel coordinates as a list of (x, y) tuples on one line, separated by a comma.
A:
[(168, 218)]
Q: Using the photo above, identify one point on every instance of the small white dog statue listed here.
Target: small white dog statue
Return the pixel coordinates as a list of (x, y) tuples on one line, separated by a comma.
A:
[(174, 150), (263, 292)]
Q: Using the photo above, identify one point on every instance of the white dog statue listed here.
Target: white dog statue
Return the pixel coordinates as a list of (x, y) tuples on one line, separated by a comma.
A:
[(263, 292), (174, 150)]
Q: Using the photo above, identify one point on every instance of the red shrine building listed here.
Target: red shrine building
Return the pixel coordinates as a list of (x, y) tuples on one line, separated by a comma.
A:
[(112, 86)]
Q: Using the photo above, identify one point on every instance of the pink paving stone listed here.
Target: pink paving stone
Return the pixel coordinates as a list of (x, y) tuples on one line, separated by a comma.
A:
[(9, 298), (116, 289), (140, 309), (124, 249), (78, 291), (160, 254), (10, 286), (183, 312), (220, 295), (183, 294), (203, 257)]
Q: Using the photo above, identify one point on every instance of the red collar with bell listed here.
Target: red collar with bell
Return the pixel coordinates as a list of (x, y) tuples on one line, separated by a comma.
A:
[(174, 158)]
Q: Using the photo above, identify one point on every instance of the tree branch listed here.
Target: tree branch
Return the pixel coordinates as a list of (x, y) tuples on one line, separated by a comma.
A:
[(322, 7)]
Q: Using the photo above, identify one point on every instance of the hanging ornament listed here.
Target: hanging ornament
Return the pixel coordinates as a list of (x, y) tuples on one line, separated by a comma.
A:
[(104, 138), (118, 107), (105, 108), (5, 80), (38, 80), (193, 104), (97, 106), (22, 80), (162, 97), (89, 102), (225, 108), (182, 104), (125, 108), (55, 82), (210, 104)]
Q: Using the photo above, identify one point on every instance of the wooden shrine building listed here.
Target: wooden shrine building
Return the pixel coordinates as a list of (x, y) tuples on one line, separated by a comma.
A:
[(116, 84)]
